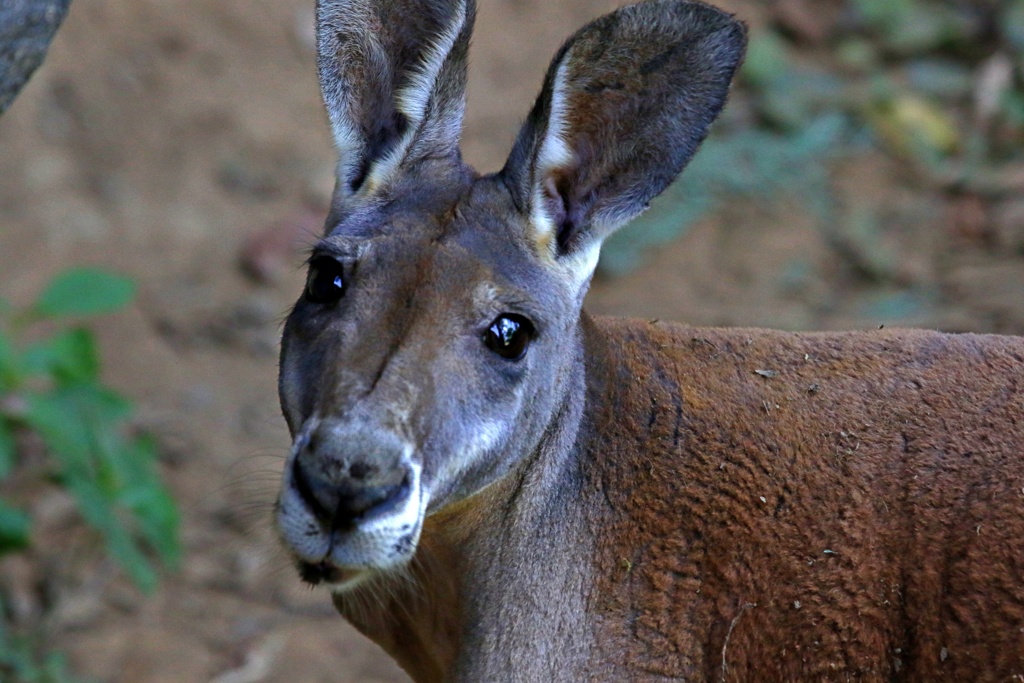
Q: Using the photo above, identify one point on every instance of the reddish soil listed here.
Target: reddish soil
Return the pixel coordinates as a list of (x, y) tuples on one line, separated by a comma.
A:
[(164, 140)]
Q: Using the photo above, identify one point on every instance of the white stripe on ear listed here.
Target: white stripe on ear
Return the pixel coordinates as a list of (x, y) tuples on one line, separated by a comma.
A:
[(554, 153), (351, 18), (349, 146), (414, 99)]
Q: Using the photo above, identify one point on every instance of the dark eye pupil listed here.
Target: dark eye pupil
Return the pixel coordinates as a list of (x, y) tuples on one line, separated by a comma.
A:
[(508, 336), (324, 284)]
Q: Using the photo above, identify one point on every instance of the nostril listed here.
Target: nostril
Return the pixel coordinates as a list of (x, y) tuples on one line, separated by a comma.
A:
[(321, 497), (361, 471), (357, 501), (346, 500)]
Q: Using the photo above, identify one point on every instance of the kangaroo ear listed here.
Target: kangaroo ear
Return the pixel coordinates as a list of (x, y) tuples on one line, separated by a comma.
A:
[(625, 104), (393, 76)]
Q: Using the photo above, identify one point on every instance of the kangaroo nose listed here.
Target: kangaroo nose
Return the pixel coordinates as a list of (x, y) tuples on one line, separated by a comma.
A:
[(346, 477)]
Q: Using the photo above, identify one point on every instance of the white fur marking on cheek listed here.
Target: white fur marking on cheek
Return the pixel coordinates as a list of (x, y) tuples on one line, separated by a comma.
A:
[(415, 97), (487, 437), (484, 438), (554, 153)]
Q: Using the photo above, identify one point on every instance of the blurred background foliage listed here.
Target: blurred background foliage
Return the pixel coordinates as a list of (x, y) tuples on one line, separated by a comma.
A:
[(937, 85), (60, 426)]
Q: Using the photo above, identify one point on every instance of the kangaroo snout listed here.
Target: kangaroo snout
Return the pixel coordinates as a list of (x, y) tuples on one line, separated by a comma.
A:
[(349, 474)]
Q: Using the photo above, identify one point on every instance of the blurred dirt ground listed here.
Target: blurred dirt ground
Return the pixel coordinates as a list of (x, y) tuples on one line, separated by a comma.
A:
[(169, 140)]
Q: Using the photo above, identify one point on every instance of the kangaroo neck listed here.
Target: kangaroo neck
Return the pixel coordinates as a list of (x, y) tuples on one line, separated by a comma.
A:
[(521, 538)]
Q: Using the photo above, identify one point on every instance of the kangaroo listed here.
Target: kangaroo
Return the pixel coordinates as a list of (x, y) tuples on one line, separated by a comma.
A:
[(496, 486)]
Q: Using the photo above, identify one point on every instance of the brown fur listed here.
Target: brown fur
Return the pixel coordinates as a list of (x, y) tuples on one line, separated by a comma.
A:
[(853, 511), (767, 506)]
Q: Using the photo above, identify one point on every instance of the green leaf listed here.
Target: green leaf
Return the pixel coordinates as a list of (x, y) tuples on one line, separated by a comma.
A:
[(85, 291), (55, 418), (857, 54), (7, 445), (921, 28), (75, 355), (70, 418), (70, 357), (8, 363), (15, 529), (112, 478), (153, 505), (101, 404), (99, 511), (916, 127)]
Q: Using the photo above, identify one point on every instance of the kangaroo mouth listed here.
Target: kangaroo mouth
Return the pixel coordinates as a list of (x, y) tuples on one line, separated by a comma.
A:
[(340, 538), (323, 572)]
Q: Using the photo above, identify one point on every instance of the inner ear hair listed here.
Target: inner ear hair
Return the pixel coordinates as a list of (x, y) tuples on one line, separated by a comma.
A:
[(556, 188), (393, 76), (625, 104)]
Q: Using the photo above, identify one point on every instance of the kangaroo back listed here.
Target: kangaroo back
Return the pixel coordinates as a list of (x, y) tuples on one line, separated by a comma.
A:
[(809, 506)]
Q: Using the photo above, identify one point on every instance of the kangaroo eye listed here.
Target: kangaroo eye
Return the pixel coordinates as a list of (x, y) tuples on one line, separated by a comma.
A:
[(509, 336), (324, 283)]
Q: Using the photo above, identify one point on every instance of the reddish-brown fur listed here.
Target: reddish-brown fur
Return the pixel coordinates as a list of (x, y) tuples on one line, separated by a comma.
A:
[(839, 505)]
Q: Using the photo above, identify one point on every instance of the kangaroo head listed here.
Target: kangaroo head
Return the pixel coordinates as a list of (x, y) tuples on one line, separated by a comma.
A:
[(436, 343)]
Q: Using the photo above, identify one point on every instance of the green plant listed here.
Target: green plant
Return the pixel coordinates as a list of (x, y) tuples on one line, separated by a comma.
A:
[(50, 386), (21, 662)]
